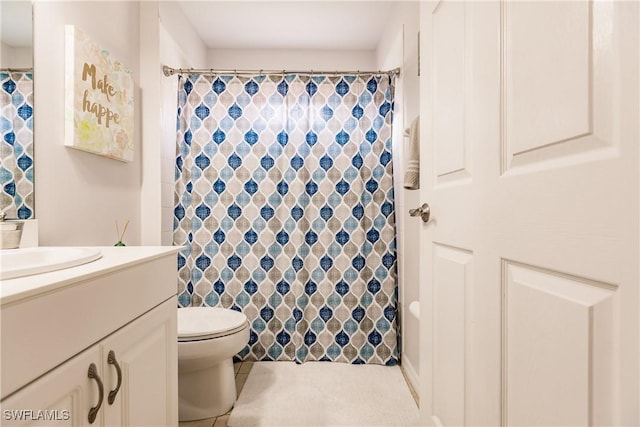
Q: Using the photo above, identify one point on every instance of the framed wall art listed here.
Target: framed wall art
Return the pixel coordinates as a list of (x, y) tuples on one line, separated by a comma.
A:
[(99, 104)]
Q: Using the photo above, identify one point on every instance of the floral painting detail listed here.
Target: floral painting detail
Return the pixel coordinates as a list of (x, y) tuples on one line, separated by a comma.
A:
[(99, 99)]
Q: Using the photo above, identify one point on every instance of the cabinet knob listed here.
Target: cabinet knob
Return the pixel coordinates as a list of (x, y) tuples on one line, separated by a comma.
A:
[(93, 374), (111, 360)]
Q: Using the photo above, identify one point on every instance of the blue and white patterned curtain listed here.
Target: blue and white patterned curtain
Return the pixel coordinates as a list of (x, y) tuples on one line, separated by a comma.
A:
[(16, 161), (284, 204)]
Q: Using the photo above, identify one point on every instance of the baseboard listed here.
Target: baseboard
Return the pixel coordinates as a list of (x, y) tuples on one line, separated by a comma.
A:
[(412, 377)]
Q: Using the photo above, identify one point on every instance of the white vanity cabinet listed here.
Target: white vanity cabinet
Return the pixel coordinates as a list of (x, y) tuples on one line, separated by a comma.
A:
[(64, 394), (120, 320), (146, 352)]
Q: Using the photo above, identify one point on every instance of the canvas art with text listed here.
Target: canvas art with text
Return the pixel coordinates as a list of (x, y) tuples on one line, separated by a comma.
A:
[(99, 99)]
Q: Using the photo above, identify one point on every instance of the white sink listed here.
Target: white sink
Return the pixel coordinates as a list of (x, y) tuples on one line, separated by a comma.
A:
[(25, 262)]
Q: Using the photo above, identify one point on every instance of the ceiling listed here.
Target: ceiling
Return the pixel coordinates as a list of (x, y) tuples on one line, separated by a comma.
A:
[(301, 24), (261, 24)]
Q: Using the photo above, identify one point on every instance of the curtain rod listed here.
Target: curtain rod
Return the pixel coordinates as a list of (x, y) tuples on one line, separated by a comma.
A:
[(17, 70), (168, 71)]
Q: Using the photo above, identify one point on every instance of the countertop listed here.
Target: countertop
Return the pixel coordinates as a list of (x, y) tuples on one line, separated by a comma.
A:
[(113, 258)]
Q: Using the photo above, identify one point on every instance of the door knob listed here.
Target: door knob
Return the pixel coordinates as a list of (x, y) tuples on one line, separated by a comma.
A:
[(423, 211)]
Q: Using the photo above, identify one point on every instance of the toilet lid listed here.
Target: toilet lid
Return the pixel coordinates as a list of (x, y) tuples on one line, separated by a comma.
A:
[(208, 322)]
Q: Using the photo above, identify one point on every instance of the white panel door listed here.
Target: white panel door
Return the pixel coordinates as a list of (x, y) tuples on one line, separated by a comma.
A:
[(530, 263)]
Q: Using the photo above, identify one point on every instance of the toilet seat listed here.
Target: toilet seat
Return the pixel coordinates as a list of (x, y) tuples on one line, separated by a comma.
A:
[(203, 323)]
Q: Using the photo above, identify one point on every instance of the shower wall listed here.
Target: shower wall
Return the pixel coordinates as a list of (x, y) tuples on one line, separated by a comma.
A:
[(180, 47), (400, 49)]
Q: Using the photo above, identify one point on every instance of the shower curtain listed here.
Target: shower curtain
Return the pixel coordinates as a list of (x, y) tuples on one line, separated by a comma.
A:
[(16, 161), (284, 205)]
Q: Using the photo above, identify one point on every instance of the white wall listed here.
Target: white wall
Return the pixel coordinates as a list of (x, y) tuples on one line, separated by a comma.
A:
[(15, 57), (150, 81), (78, 195), (399, 48), (292, 59), (187, 48), (180, 47), (166, 38)]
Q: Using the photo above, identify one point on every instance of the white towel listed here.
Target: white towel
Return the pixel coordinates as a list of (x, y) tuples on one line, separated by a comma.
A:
[(412, 173)]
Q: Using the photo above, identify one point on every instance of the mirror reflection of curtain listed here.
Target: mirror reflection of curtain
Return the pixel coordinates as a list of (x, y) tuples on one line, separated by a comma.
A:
[(16, 147), (285, 209)]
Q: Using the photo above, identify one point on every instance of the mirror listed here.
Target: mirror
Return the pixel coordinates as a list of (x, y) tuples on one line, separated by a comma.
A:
[(16, 109)]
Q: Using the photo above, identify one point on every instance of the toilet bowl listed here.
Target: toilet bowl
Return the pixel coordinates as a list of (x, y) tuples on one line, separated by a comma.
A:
[(208, 338)]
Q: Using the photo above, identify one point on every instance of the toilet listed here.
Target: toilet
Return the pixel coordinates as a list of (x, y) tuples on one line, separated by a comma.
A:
[(208, 338)]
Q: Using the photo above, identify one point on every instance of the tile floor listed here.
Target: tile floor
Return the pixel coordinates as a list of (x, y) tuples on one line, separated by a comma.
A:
[(242, 370)]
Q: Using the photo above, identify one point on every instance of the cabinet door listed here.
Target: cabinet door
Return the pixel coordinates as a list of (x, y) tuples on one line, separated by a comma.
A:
[(147, 356), (62, 397)]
